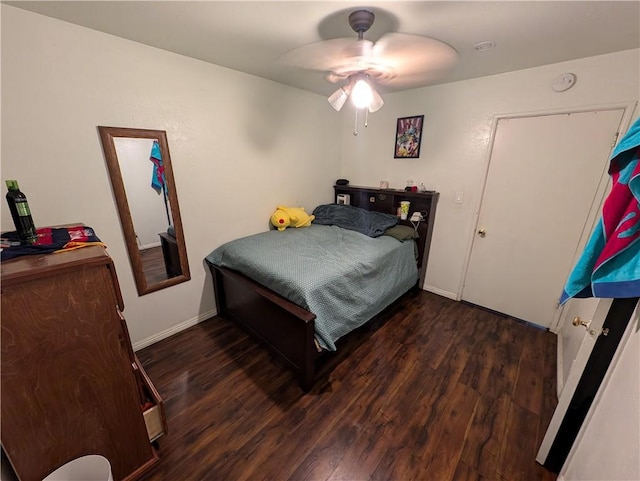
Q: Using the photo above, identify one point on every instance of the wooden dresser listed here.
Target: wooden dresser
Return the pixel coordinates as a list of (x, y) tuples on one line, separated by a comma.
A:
[(388, 202), (71, 384)]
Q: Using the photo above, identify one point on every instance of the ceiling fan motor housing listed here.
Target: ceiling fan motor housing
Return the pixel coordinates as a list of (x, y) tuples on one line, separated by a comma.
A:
[(361, 20)]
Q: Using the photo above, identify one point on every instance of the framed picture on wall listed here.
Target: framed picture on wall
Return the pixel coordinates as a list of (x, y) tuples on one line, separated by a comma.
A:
[(408, 137)]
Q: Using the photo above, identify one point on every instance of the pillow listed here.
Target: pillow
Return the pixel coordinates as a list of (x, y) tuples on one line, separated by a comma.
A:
[(402, 232), (372, 224)]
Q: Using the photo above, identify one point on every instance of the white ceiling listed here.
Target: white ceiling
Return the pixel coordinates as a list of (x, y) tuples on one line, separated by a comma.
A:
[(251, 36)]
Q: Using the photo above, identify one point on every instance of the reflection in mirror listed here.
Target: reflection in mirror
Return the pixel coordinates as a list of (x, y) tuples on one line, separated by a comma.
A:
[(142, 180)]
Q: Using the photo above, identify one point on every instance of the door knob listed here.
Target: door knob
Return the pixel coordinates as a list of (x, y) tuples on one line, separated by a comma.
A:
[(579, 322), (482, 232)]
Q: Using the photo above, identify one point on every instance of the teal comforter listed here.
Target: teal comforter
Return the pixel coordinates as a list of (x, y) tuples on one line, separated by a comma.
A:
[(343, 277)]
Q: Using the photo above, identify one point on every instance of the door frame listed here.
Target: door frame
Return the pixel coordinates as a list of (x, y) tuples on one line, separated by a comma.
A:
[(599, 196)]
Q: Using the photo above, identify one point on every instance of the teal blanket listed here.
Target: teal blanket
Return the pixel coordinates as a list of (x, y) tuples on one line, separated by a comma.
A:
[(342, 276), (609, 267)]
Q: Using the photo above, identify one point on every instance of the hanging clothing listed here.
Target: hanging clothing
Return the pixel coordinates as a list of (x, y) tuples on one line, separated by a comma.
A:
[(157, 177), (158, 180), (610, 264)]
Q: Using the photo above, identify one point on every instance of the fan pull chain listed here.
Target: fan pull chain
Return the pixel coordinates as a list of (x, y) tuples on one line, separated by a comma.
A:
[(355, 127), (366, 121)]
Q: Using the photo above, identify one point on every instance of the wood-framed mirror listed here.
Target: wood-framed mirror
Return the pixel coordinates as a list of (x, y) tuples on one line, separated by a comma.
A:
[(141, 175)]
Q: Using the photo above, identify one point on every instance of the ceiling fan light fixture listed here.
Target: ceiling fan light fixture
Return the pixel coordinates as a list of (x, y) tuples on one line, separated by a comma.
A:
[(338, 98), (376, 102), (362, 94)]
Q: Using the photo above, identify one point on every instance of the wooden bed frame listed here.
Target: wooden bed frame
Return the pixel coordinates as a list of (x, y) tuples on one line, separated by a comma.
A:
[(288, 329), (285, 327)]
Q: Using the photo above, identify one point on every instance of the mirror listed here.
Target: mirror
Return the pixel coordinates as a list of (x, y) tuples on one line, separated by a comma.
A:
[(142, 181)]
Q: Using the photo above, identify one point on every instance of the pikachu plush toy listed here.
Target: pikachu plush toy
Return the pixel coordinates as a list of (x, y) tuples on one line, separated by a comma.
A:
[(285, 217)]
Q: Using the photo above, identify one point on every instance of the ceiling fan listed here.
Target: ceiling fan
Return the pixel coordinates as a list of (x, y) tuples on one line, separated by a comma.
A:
[(396, 59)]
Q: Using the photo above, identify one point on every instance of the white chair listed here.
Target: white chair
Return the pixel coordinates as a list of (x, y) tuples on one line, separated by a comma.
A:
[(86, 468)]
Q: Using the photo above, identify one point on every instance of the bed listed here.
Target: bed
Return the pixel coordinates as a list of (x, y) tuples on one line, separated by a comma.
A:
[(301, 290)]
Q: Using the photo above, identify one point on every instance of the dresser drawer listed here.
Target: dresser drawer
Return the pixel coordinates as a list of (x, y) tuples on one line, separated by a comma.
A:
[(153, 406), (153, 421)]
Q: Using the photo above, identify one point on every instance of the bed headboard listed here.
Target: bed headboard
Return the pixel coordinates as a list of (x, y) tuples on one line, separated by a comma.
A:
[(388, 201)]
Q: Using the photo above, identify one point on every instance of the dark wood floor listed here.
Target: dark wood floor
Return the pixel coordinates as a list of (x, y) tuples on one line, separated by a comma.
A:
[(153, 265), (431, 390)]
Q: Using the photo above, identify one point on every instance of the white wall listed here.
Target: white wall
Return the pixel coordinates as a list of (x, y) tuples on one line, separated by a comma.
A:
[(457, 131), (239, 146), (608, 445)]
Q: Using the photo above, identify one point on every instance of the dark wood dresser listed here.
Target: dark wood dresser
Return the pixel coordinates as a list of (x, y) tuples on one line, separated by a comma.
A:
[(71, 383), (388, 201), (171, 255)]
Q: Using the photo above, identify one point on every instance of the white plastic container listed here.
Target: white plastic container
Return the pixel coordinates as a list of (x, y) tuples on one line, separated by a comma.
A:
[(86, 468)]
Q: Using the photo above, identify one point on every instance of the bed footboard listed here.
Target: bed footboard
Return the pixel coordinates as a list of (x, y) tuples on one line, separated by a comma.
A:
[(286, 328)]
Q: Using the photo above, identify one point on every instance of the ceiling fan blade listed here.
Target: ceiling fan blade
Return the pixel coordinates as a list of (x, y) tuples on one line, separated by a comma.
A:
[(409, 54), (327, 55)]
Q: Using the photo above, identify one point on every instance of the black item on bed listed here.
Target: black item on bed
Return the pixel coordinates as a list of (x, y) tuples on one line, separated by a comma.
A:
[(372, 224)]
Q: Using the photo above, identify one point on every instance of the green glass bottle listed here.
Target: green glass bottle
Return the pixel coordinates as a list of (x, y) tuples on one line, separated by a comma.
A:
[(21, 213)]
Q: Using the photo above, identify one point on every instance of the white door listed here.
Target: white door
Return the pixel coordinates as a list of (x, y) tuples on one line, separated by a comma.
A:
[(541, 186), (594, 313), (571, 339)]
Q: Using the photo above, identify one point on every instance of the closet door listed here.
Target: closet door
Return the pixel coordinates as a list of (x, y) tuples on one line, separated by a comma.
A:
[(537, 209)]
